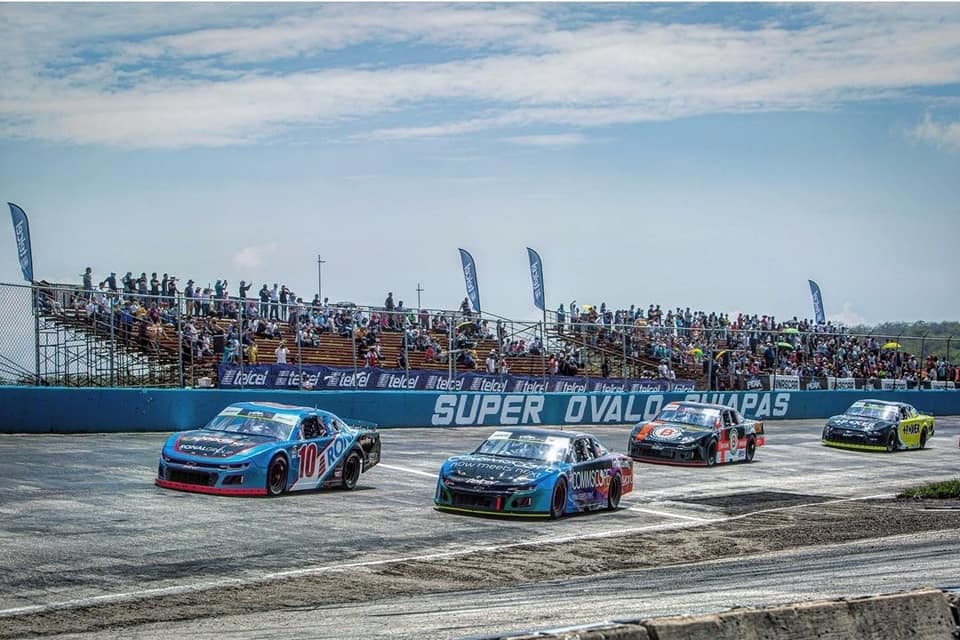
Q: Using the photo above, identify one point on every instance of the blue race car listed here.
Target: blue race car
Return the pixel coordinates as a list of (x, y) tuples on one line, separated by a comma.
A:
[(534, 472), (262, 448)]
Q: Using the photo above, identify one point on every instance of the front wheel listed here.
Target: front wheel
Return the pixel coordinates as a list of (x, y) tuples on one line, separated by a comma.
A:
[(710, 457), (558, 502), (892, 443), (351, 470), (614, 493), (277, 476)]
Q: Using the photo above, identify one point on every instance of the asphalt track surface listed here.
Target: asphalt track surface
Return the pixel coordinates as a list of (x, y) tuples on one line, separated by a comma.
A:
[(81, 522)]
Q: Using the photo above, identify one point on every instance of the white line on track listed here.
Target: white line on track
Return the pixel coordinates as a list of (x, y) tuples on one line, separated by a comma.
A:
[(408, 470), (131, 596)]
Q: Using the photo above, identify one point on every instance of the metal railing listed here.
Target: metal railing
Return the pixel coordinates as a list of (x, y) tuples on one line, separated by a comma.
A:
[(62, 335)]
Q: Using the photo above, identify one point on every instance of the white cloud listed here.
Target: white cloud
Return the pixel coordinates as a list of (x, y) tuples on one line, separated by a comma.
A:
[(550, 140), (848, 317), (254, 257), (946, 135), (127, 76)]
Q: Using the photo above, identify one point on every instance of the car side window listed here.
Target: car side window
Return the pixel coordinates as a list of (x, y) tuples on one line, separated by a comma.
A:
[(583, 451), (727, 419), (904, 413), (311, 428), (598, 449)]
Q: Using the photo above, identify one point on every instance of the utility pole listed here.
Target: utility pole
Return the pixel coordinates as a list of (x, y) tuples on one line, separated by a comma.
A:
[(419, 291), (320, 278)]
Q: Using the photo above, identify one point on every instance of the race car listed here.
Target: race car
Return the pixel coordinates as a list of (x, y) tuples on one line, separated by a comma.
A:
[(534, 473), (878, 425), (696, 434), (265, 449)]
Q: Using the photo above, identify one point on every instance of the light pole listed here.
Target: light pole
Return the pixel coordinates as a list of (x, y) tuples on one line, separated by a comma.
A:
[(419, 291), (320, 278)]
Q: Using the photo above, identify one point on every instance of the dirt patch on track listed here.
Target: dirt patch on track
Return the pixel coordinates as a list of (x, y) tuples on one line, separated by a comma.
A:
[(814, 525)]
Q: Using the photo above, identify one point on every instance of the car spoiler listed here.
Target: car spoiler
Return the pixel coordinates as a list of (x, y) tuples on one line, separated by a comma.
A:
[(360, 424)]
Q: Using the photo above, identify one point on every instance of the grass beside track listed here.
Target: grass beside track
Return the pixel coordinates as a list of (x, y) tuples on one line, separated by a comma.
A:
[(937, 490)]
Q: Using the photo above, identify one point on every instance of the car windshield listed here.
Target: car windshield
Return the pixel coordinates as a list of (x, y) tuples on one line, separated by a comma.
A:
[(878, 411), (255, 423), (696, 417), (507, 444)]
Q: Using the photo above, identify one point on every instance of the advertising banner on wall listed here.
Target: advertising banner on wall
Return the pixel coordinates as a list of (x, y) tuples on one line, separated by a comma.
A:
[(322, 378)]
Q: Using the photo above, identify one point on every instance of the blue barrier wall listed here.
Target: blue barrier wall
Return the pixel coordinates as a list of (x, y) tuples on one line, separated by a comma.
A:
[(70, 410)]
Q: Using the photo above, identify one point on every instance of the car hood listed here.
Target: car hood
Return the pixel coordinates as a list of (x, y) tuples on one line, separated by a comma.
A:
[(670, 432), (214, 444), (856, 423), (494, 470)]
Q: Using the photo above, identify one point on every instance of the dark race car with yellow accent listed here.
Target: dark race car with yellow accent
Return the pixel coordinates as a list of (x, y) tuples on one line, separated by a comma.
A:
[(879, 425), (696, 434), (534, 472)]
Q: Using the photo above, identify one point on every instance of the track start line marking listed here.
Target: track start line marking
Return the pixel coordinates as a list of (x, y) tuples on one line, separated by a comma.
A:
[(408, 470)]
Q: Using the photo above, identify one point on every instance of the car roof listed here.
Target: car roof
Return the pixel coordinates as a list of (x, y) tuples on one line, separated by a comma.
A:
[(889, 403), (276, 407), (528, 431), (699, 405)]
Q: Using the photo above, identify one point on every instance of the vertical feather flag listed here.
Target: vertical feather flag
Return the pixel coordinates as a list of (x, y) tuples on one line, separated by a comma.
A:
[(21, 230), (470, 278), (817, 301), (536, 276)]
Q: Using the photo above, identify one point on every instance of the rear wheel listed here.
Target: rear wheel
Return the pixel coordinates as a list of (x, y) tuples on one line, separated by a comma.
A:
[(614, 493), (710, 455), (277, 476), (558, 502), (923, 438), (751, 448), (892, 442), (351, 470)]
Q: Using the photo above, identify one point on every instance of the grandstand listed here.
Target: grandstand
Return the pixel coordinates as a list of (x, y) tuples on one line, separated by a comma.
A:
[(103, 339)]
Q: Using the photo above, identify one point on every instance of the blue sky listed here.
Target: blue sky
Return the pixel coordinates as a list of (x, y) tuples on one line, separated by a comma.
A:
[(713, 156)]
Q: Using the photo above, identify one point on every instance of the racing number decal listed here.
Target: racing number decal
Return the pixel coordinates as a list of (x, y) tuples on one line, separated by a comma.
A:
[(308, 461)]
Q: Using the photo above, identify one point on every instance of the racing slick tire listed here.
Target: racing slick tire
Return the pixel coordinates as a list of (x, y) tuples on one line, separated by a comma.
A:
[(351, 470), (710, 453), (893, 442), (751, 449), (923, 438), (614, 493), (277, 476), (558, 500)]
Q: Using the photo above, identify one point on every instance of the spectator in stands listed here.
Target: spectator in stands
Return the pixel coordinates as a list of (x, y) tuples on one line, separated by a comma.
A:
[(281, 352), (142, 287), (275, 302), (171, 292), (244, 287), (491, 361), (154, 286), (253, 352), (205, 297), (465, 308), (110, 282), (561, 318), (88, 282)]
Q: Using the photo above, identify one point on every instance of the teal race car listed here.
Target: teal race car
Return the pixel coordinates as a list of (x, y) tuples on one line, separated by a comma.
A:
[(534, 473)]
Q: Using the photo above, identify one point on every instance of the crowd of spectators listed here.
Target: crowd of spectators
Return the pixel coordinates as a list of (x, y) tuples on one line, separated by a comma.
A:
[(730, 350), (659, 343)]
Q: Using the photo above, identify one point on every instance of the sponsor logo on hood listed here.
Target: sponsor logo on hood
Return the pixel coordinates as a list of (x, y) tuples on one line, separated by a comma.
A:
[(492, 470), (214, 446), (848, 422)]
